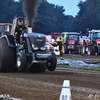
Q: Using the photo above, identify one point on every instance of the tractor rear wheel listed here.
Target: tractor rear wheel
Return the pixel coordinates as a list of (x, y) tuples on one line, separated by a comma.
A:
[(77, 49), (7, 55), (91, 50), (21, 61), (51, 64)]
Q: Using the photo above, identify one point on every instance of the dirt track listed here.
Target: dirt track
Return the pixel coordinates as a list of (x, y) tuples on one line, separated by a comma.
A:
[(80, 57), (47, 86)]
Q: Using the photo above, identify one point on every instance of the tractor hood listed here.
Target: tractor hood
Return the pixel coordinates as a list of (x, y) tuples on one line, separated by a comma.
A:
[(37, 39), (98, 40), (71, 41)]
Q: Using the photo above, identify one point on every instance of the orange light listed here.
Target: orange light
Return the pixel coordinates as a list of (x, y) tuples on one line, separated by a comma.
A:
[(5, 24), (55, 33), (87, 29)]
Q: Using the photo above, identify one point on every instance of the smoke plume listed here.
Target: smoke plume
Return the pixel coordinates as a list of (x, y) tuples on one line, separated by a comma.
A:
[(30, 9)]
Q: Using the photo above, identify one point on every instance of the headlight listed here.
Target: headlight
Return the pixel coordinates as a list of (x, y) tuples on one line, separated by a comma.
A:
[(34, 47), (43, 48)]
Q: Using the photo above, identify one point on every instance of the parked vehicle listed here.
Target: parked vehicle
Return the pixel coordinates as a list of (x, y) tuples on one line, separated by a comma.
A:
[(92, 45), (64, 35), (55, 35), (71, 44)]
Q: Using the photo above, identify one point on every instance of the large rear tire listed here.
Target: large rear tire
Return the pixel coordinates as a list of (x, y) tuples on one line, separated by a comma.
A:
[(77, 49), (21, 61), (91, 50), (6, 56), (51, 64)]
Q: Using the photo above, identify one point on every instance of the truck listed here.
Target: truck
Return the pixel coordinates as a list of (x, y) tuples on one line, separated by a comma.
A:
[(55, 35), (30, 54)]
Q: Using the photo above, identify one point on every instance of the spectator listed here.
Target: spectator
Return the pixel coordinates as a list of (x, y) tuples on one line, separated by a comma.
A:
[(60, 46)]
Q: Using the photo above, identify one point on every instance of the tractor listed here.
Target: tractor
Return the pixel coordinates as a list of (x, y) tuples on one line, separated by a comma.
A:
[(30, 54), (72, 42), (5, 28), (92, 45)]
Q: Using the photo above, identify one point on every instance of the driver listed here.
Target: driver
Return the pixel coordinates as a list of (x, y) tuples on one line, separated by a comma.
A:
[(18, 30)]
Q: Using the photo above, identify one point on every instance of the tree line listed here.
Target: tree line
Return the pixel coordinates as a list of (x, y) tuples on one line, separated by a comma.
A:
[(51, 18), (88, 17)]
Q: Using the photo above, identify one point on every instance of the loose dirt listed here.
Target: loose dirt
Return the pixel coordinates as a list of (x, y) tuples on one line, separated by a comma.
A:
[(85, 84)]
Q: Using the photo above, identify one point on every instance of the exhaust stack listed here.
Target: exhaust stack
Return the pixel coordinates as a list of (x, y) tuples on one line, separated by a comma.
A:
[(30, 9), (29, 29)]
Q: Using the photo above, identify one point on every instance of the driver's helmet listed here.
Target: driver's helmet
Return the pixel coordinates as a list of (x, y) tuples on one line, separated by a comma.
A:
[(19, 22)]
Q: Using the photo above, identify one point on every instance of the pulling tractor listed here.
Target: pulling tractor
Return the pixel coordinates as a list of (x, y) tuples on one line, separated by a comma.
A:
[(92, 45), (72, 43), (30, 54)]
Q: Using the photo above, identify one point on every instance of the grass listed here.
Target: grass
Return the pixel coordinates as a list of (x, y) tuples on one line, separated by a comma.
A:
[(82, 67)]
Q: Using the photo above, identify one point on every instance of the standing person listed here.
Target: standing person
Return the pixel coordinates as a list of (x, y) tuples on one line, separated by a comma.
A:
[(60, 46)]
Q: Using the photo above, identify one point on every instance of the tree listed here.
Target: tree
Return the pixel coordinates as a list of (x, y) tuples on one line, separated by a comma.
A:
[(88, 16), (9, 9), (50, 18), (69, 22)]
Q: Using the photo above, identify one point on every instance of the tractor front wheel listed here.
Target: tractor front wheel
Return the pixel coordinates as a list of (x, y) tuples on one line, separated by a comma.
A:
[(21, 61), (51, 64)]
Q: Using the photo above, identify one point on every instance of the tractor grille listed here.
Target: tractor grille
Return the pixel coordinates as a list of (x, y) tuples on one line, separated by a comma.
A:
[(39, 42)]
